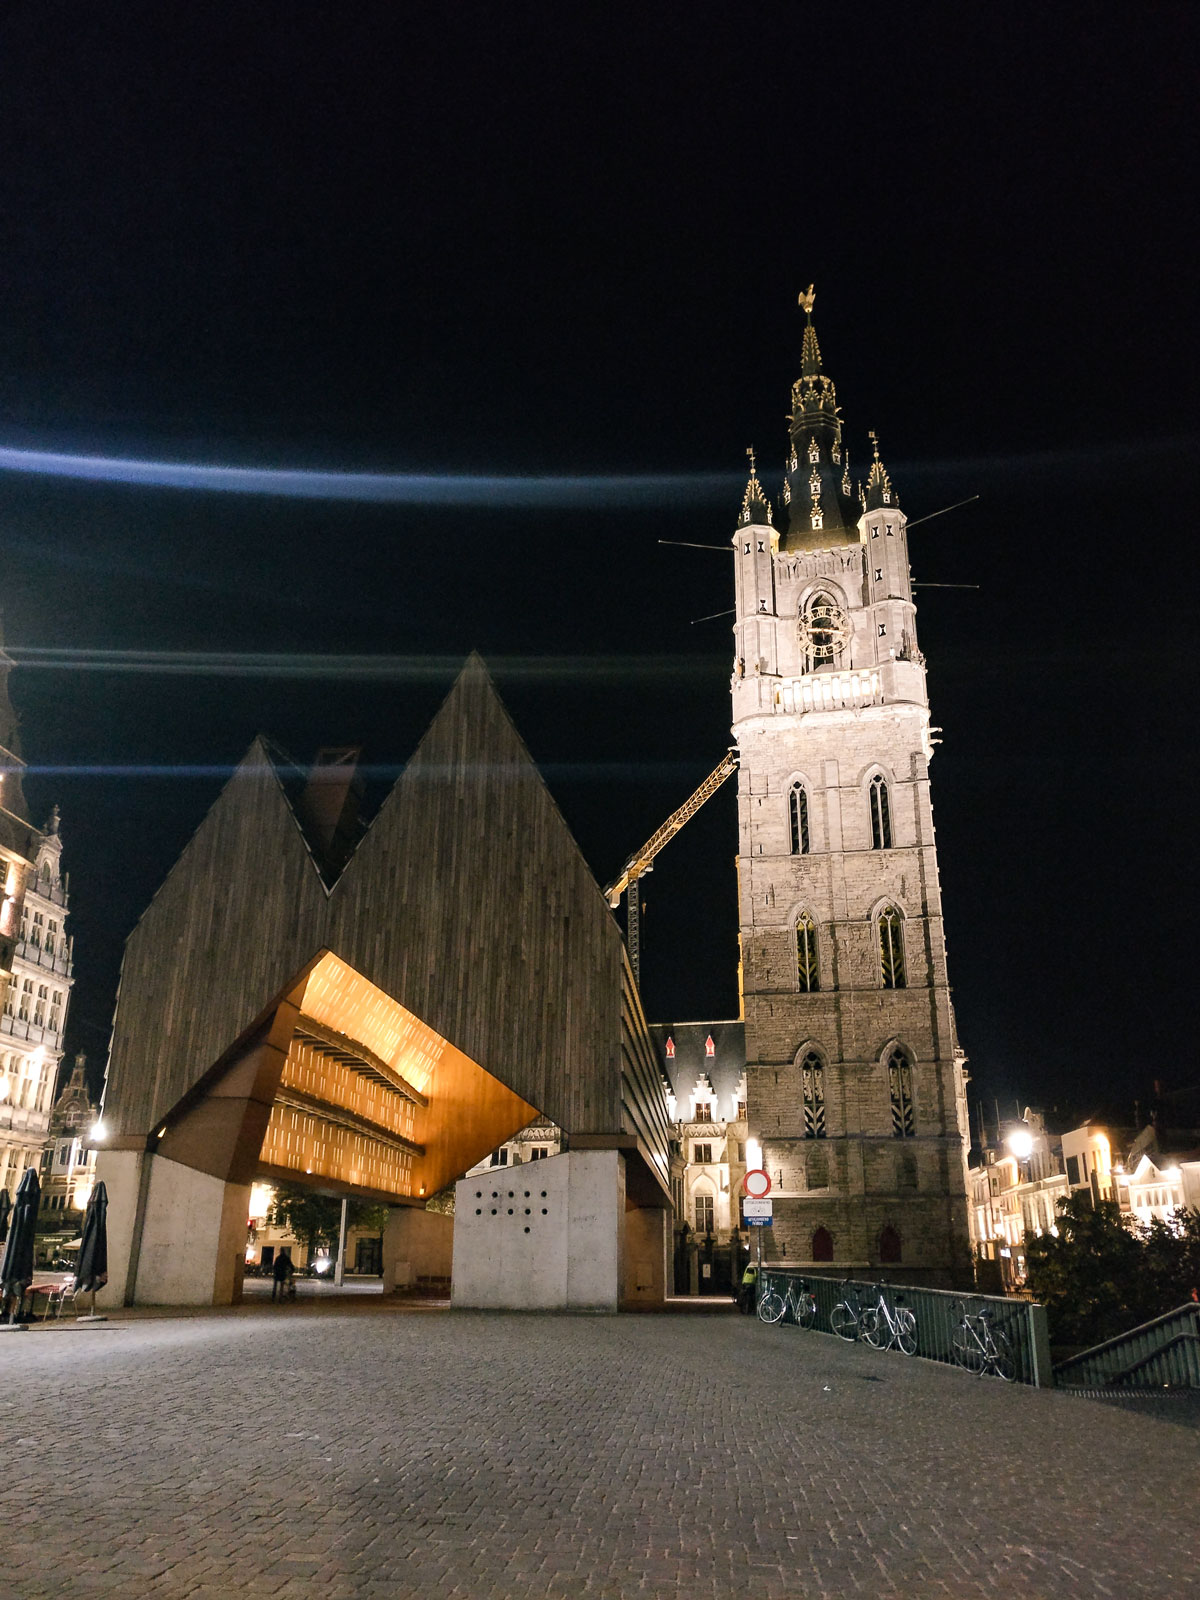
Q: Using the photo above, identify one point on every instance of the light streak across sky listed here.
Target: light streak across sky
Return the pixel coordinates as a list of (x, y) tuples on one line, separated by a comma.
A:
[(516, 492), (385, 668), (511, 492), (605, 772)]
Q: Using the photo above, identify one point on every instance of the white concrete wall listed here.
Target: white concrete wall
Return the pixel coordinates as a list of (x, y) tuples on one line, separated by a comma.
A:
[(542, 1236), (193, 1239)]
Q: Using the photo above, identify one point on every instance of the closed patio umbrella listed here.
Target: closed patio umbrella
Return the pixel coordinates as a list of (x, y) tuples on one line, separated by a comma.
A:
[(5, 1208), (91, 1271), (16, 1269)]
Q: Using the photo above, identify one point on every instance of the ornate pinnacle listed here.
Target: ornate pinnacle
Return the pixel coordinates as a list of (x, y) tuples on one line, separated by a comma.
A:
[(879, 491)]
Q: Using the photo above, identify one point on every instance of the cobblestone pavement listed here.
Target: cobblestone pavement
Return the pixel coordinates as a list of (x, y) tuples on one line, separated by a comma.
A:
[(360, 1451)]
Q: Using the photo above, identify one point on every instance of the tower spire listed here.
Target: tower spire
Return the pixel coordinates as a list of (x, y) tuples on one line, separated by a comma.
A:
[(822, 512), (810, 352)]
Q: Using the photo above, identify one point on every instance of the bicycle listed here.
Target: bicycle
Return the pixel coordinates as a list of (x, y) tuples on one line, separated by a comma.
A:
[(899, 1326), (979, 1348), (799, 1299), (845, 1317)]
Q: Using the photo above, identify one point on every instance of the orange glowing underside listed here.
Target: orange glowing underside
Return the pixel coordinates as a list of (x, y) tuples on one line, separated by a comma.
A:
[(359, 1121)]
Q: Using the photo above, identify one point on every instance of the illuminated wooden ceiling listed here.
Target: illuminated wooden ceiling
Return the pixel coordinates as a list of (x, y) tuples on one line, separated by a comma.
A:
[(372, 1098)]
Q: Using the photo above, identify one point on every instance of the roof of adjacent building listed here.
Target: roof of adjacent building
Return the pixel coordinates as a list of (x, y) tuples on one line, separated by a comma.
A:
[(688, 1058)]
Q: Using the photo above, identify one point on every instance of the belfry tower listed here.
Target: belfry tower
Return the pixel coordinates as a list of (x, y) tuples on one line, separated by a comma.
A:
[(855, 1083)]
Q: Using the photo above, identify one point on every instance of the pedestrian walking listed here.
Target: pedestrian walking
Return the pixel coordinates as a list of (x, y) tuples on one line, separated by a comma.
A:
[(284, 1287)]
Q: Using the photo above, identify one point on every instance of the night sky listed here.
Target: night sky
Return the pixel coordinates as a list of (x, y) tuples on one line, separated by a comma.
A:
[(565, 242)]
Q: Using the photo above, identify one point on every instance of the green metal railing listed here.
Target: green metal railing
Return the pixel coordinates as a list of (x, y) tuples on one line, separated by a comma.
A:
[(1161, 1354), (938, 1313)]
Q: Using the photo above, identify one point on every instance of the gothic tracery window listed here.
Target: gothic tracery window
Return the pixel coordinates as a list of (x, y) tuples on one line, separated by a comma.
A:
[(881, 814), (812, 1080), (900, 1092), (798, 819), (891, 948), (807, 973)]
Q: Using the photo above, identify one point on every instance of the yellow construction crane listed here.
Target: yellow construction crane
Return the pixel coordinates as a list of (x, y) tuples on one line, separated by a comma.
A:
[(642, 861)]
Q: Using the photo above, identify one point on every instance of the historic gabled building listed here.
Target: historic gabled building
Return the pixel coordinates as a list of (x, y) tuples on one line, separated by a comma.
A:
[(69, 1163), (35, 961), (854, 1076)]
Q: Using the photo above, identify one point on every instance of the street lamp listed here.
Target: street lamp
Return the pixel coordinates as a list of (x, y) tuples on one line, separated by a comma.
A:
[(1020, 1142)]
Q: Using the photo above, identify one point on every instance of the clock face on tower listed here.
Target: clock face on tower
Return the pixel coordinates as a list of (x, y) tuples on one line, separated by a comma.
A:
[(824, 631)]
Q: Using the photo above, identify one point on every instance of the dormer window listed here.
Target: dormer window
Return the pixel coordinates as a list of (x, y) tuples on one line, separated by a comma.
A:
[(814, 485), (818, 521), (814, 451)]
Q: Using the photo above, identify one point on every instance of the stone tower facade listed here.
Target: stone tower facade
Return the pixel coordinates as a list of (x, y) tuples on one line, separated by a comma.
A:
[(855, 1082)]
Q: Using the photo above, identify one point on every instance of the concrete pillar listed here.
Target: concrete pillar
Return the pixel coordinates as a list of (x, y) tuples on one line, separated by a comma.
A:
[(193, 1238), (177, 1213), (121, 1173), (647, 1234), (416, 1244)]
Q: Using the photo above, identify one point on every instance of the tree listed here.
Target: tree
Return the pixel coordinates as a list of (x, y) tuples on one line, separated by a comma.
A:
[(1102, 1276), (315, 1218)]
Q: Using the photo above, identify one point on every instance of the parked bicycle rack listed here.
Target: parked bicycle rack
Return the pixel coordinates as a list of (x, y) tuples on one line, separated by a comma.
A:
[(938, 1312)]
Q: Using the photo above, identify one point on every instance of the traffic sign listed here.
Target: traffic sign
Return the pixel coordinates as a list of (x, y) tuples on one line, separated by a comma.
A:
[(759, 1210), (758, 1222), (757, 1184)]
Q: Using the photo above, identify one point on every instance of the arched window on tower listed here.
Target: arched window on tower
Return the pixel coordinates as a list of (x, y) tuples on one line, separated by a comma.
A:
[(891, 948), (806, 954), (822, 1245), (798, 819), (812, 1080), (881, 814), (900, 1092)]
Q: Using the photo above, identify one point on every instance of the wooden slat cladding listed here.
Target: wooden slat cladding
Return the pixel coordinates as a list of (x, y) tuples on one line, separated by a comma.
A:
[(467, 901)]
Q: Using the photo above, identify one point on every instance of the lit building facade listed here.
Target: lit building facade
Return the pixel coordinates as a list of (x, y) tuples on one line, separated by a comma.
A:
[(537, 1141), (855, 1081), (1018, 1185), (69, 1162), (704, 1064), (35, 962)]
